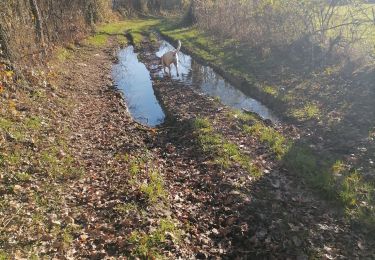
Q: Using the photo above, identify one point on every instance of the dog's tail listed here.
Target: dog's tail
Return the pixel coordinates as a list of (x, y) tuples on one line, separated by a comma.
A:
[(179, 46)]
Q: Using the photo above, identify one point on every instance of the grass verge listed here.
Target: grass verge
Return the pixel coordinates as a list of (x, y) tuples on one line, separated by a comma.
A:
[(147, 245), (224, 152), (304, 101), (335, 181), (136, 28)]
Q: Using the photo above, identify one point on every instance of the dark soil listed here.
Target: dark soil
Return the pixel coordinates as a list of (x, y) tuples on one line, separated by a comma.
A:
[(216, 212)]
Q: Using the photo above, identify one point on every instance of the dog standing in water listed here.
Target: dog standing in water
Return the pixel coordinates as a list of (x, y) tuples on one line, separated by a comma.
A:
[(171, 57)]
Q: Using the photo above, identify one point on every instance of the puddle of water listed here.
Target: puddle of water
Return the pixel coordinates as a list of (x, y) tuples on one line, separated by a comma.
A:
[(206, 80), (184, 64), (133, 79)]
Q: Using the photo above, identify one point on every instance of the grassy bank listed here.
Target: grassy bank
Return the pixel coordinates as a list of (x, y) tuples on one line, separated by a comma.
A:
[(135, 29), (316, 99)]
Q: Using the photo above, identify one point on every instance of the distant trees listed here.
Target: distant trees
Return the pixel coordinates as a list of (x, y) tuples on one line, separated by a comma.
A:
[(31, 26), (318, 27), (129, 7)]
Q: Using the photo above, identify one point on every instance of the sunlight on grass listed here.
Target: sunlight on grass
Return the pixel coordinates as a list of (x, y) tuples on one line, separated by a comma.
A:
[(59, 164), (23, 176), (309, 111), (138, 25), (149, 245), (122, 40), (136, 37), (271, 90), (247, 118), (338, 167), (97, 40), (136, 28), (154, 188), (350, 188), (277, 142), (225, 153), (334, 181)]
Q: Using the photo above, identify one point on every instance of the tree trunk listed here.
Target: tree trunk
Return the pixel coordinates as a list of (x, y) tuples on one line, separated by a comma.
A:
[(38, 23), (4, 43), (190, 18)]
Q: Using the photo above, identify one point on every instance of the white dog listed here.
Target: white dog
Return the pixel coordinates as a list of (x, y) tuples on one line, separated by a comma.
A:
[(171, 57)]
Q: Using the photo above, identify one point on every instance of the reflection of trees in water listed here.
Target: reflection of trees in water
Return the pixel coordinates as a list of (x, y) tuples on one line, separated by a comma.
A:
[(128, 59), (133, 78), (206, 80), (196, 73)]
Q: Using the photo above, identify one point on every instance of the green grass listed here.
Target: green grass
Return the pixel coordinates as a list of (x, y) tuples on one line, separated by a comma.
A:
[(5, 124), (271, 90), (59, 164), (252, 125), (225, 153), (3, 255), (23, 177), (241, 61), (276, 141), (13, 159), (20, 130), (63, 54), (154, 188), (34, 123), (127, 208), (136, 27), (31, 155), (203, 124), (122, 40), (196, 41), (142, 173), (338, 167), (302, 161), (349, 191), (243, 117), (97, 40), (150, 245), (139, 25), (134, 168), (309, 111), (335, 181), (136, 37), (153, 37)]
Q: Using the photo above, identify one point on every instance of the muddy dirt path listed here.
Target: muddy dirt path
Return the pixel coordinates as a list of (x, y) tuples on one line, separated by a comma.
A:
[(153, 192), (234, 214)]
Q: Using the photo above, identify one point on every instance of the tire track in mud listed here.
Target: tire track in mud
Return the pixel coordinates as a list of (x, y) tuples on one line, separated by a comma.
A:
[(221, 212), (230, 213)]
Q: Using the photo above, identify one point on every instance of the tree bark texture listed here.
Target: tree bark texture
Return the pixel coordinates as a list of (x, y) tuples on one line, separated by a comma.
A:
[(38, 23)]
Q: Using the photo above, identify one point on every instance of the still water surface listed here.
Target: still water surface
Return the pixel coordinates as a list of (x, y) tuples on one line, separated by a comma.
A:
[(206, 80), (133, 79)]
